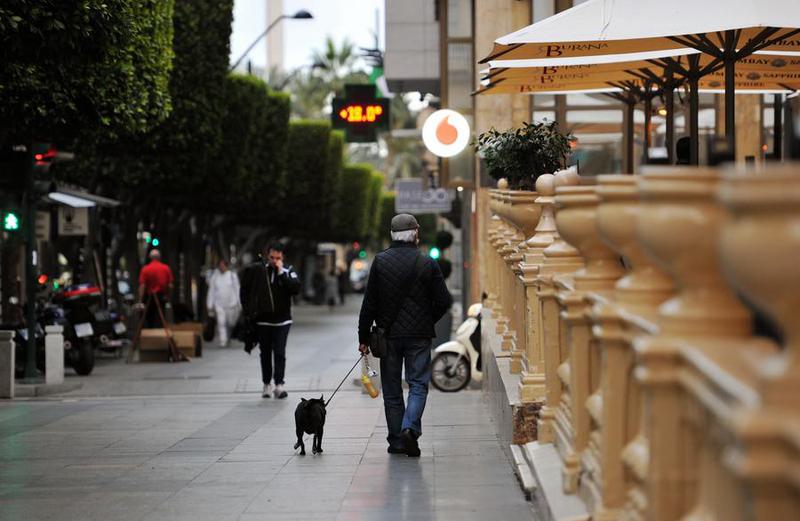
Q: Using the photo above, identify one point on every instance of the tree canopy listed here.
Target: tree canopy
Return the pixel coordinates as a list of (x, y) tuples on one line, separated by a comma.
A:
[(96, 65)]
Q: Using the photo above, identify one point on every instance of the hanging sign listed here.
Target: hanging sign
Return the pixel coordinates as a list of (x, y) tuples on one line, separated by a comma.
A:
[(73, 221), (446, 133)]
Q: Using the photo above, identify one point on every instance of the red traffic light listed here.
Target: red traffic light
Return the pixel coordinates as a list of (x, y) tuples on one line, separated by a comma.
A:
[(46, 157), (43, 279)]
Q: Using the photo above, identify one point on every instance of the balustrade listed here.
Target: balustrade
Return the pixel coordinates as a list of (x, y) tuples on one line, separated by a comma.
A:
[(622, 307)]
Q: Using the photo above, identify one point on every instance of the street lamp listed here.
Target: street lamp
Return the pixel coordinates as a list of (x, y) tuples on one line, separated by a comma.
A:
[(302, 14)]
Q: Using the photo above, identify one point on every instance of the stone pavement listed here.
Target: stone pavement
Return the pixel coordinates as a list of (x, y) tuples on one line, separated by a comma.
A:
[(166, 446)]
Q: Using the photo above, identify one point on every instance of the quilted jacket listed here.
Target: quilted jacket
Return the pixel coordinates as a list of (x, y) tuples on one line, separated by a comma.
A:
[(427, 300)]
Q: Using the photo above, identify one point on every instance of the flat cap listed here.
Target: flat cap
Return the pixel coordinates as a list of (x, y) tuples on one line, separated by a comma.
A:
[(404, 221)]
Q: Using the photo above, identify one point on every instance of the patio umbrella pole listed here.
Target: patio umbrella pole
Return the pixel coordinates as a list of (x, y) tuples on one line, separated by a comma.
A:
[(669, 103), (694, 127), (731, 40), (648, 109), (777, 125)]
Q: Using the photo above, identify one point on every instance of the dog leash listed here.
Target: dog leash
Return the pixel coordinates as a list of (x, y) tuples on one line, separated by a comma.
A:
[(343, 379)]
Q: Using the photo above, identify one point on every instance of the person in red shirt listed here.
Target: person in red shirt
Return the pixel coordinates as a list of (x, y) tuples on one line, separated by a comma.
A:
[(155, 281)]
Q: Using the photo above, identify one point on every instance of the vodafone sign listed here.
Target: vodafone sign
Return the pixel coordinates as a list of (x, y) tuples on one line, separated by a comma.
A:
[(445, 133)]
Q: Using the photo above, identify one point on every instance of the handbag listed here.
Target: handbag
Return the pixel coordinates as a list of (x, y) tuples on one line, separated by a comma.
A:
[(209, 329), (379, 336)]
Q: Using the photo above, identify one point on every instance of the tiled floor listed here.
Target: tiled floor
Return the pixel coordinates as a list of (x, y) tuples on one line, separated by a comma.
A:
[(221, 454)]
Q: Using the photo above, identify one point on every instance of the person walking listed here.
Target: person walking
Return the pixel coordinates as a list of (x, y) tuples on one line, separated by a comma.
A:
[(266, 296), (155, 282), (222, 300), (405, 295), (331, 289)]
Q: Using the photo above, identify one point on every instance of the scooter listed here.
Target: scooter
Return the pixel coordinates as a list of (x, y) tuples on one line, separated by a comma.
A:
[(457, 362)]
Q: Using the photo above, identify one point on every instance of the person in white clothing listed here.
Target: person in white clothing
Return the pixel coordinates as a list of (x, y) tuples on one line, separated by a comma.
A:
[(223, 300)]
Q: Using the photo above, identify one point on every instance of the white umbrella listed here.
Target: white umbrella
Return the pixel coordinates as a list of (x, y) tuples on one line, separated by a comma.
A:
[(608, 31)]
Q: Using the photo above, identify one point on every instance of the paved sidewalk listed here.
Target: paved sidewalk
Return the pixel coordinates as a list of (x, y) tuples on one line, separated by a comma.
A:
[(227, 454)]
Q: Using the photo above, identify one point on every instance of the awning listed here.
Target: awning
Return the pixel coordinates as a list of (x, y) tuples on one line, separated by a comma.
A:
[(77, 197)]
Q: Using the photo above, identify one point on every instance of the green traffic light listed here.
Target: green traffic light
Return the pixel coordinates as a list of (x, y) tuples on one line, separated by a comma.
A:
[(362, 254), (434, 253), (10, 222), (155, 242)]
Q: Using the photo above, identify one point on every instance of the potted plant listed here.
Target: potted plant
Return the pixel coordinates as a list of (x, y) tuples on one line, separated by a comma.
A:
[(521, 155)]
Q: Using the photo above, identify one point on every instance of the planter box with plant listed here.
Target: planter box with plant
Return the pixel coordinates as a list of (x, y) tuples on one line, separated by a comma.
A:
[(521, 155)]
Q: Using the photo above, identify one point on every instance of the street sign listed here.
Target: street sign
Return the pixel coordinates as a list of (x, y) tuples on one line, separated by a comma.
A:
[(73, 221), (412, 198)]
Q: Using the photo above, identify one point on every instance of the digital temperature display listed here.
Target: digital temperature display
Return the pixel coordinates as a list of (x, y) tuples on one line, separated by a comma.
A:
[(360, 113)]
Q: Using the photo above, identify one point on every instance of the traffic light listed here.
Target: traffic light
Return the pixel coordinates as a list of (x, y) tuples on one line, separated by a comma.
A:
[(11, 222), (155, 242), (434, 253), (362, 254)]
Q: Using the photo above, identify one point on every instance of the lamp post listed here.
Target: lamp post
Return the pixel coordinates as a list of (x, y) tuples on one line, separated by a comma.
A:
[(302, 14)]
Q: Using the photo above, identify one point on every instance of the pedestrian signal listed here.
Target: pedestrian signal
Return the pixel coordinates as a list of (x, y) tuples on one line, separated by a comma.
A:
[(10, 222)]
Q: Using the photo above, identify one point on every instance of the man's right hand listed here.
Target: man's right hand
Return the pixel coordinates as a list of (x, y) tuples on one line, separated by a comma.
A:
[(363, 349)]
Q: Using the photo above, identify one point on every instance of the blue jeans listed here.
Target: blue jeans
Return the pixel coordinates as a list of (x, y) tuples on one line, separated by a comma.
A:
[(415, 354)]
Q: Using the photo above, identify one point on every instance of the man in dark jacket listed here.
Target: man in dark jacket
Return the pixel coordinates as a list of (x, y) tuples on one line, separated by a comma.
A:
[(266, 296), (406, 295)]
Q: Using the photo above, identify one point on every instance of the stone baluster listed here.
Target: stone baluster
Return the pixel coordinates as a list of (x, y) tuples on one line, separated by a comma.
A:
[(615, 405), (532, 384), (679, 226), (577, 224), (760, 248), (524, 214), (558, 257)]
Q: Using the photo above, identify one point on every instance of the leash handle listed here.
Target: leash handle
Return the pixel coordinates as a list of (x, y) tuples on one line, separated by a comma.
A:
[(343, 379)]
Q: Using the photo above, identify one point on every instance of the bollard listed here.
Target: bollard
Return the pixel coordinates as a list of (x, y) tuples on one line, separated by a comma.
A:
[(6, 364), (54, 355)]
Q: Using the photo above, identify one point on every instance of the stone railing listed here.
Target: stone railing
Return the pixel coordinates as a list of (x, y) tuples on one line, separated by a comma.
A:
[(658, 400)]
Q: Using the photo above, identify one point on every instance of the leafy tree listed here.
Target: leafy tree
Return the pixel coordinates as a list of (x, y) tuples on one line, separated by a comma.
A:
[(252, 158), (308, 198), (375, 207), (354, 188), (83, 67), (335, 62), (335, 164)]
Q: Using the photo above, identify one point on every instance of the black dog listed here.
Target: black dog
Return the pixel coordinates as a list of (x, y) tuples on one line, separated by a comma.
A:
[(309, 418)]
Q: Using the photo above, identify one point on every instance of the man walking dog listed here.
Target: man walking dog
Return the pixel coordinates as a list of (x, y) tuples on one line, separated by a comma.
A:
[(266, 296), (406, 295)]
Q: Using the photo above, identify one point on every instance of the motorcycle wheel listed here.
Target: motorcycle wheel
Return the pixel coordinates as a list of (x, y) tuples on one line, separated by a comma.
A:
[(450, 372), (84, 363)]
